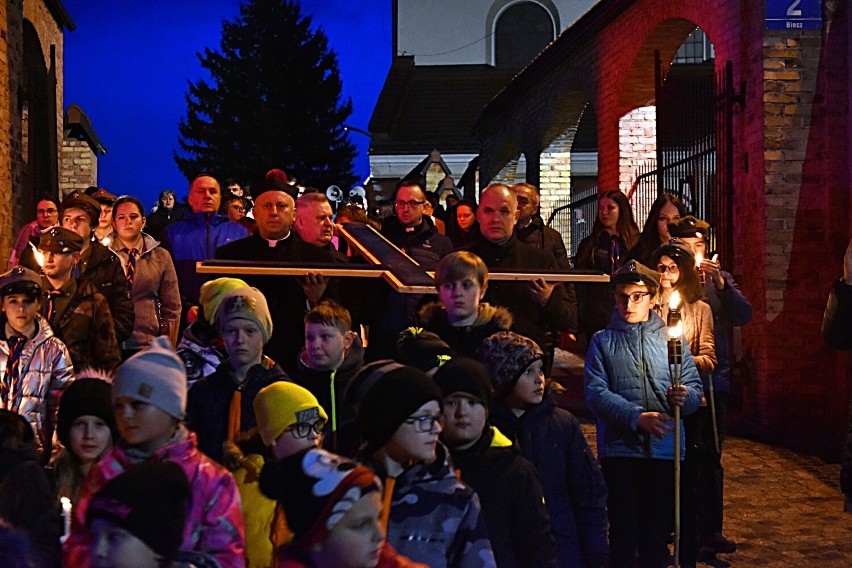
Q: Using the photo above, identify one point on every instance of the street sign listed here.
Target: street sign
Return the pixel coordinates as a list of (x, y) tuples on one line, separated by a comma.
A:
[(793, 14)]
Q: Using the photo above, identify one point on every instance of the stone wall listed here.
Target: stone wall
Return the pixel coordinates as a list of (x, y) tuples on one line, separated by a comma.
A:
[(79, 168)]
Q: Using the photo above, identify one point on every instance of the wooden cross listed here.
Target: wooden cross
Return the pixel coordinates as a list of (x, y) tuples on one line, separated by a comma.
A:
[(398, 269)]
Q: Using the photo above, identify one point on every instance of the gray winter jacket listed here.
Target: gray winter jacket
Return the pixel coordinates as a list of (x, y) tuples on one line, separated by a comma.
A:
[(155, 293)]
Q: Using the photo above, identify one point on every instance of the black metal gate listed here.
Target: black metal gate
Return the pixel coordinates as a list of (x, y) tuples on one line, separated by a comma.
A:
[(695, 109)]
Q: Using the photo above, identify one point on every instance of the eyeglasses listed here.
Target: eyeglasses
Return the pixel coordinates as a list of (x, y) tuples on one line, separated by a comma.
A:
[(407, 204), (633, 298), (672, 268), (304, 429), (425, 423), (50, 211), (238, 208)]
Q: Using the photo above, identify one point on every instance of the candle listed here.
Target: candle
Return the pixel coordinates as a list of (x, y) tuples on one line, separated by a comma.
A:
[(66, 517), (674, 305)]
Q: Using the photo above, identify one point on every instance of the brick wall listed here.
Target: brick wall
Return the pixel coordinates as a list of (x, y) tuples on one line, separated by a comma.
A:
[(79, 168), (555, 172), (637, 135), (50, 35), (791, 198), (11, 169)]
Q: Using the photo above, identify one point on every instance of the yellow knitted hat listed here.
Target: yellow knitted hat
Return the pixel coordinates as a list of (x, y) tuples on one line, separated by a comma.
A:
[(212, 293), (282, 404)]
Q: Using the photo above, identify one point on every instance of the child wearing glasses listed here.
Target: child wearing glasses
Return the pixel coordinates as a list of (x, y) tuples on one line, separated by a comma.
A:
[(430, 515), (524, 407), (289, 421), (630, 390), (220, 405), (149, 398)]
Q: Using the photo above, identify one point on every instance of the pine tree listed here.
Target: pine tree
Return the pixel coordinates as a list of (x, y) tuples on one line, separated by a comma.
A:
[(274, 101)]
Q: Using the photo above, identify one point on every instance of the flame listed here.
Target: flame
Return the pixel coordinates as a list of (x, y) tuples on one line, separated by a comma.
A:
[(699, 258), (676, 331), (39, 258), (66, 504), (674, 301)]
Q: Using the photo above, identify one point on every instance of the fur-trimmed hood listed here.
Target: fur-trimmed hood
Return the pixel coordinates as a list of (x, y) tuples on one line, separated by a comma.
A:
[(434, 312)]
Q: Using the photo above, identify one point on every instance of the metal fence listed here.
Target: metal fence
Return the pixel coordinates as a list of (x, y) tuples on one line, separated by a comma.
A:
[(574, 217)]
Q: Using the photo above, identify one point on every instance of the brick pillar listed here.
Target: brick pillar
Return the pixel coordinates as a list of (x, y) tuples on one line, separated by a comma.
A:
[(79, 167), (533, 159), (11, 161), (555, 170), (637, 136)]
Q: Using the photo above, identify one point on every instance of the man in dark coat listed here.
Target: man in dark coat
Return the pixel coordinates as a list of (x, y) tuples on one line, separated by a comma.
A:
[(288, 297), (531, 228), (412, 231), (538, 308)]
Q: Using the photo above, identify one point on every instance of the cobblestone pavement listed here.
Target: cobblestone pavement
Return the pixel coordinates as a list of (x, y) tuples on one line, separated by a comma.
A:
[(783, 509)]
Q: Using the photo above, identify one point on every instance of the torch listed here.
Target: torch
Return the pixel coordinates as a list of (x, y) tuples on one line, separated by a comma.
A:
[(675, 350)]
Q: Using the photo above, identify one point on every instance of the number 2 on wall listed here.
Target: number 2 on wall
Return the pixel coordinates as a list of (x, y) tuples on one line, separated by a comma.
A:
[(792, 10)]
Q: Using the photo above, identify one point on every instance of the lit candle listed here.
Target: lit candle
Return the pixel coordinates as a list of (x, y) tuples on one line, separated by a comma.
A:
[(39, 258), (66, 517)]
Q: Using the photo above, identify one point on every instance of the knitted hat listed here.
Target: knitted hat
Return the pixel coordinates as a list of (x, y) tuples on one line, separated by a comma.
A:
[(149, 501), (20, 280), (422, 349), (316, 489), (282, 404), (384, 394), (467, 376), (636, 273), (155, 375), (212, 293), (674, 249), (689, 227), (245, 303), (79, 200), (84, 397), (507, 355), (60, 239)]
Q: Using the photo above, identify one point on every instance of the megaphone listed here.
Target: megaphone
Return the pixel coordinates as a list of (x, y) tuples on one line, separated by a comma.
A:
[(357, 191), (334, 193)]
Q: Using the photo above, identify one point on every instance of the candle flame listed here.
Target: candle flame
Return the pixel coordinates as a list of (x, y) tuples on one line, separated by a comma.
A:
[(715, 258), (676, 331), (66, 504), (39, 257), (699, 258), (674, 301)]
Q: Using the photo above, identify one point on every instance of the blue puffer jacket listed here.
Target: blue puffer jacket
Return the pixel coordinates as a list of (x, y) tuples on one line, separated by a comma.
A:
[(194, 238), (627, 373)]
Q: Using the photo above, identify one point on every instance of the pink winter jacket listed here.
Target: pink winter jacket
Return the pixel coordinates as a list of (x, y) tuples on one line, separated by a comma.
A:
[(214, 524)]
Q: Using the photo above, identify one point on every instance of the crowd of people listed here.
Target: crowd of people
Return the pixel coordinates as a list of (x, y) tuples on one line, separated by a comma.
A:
[(155, 416)]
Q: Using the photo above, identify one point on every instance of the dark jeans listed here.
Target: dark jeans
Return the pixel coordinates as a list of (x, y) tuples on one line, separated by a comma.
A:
[(640, 503)]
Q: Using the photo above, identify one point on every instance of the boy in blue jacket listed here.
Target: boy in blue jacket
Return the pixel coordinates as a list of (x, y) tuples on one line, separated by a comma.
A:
[(629, 389)]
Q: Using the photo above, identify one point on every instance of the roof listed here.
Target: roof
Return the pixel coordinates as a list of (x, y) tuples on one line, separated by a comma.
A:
[(79, 127), (60, 14), (425, 107)]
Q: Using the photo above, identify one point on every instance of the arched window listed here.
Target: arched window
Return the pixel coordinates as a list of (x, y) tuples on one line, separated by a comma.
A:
[(522, 31)]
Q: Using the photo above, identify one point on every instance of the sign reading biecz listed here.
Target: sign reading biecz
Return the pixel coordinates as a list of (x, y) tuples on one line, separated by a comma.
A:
[(793, 14)]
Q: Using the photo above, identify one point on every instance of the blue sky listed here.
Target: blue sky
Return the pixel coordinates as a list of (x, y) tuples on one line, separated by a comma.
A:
[(127, 65)]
